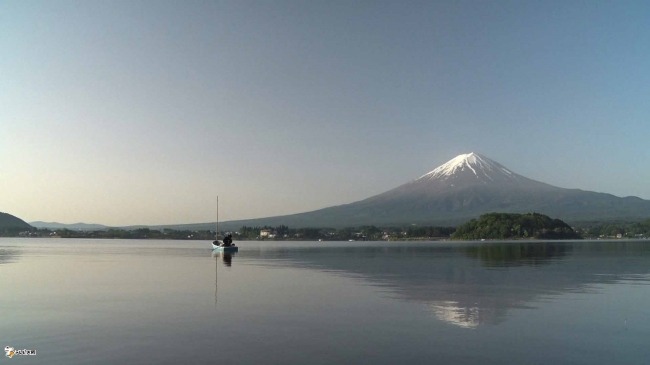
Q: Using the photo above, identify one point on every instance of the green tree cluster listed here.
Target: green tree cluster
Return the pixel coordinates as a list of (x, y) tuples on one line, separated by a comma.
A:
[(627, 230), (429, 231), (12, 231), (140, 233), (356, 233), (284, 232), (512, 226)]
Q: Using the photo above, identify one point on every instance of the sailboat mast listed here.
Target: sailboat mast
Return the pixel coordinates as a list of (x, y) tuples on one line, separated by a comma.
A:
[(216, 237)]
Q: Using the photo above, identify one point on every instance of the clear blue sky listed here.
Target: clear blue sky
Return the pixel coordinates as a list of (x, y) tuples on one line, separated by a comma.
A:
[(142, 112)]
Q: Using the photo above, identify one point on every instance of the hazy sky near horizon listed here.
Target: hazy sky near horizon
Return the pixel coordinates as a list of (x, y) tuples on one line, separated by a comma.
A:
[(142, 112)]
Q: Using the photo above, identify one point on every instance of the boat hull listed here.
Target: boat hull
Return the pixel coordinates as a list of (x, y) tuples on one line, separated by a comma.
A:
[(225, 248)]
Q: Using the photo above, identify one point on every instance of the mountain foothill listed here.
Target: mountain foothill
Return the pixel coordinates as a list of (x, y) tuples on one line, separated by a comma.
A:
[(464, 188), (8, 221)]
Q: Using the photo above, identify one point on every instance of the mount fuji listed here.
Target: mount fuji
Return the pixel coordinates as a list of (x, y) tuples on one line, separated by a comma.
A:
[(463, 188)]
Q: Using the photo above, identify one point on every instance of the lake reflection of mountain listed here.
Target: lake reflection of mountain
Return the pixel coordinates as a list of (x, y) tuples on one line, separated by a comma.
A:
[(474, 284)]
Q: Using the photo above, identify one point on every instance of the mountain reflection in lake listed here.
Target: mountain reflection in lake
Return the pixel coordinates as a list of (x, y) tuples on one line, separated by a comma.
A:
[(169, 302), (474, 284)]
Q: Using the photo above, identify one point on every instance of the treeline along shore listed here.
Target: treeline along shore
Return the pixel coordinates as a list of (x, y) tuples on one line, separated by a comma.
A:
[(279, 233), (492, 226)]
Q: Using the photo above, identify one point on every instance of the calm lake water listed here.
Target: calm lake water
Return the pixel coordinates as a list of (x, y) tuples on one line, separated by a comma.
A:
[(169, 302)]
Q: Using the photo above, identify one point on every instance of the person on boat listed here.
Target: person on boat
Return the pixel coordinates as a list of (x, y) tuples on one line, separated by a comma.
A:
[(227, 241)]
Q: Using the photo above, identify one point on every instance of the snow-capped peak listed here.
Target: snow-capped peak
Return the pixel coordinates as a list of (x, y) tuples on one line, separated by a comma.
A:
[(481, 167)]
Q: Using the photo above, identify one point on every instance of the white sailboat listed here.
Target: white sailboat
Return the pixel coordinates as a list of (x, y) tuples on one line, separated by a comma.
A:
[(218, 245)]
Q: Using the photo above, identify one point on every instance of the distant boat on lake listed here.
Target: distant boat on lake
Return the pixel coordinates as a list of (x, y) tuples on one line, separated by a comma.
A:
[(226, 244)]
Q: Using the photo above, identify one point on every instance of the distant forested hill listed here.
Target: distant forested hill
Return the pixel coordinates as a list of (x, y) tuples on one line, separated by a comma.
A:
[(10, 221), (512, 226), (80, 225)]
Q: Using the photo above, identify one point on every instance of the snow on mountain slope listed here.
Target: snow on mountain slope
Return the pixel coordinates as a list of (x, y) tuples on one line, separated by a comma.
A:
[(473, 168)]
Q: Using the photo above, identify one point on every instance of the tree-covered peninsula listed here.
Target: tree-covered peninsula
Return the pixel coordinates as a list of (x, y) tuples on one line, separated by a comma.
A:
[(500, 226), (11, 225)]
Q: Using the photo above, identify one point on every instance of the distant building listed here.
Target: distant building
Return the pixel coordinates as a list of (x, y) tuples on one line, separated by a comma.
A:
[(265, 233)]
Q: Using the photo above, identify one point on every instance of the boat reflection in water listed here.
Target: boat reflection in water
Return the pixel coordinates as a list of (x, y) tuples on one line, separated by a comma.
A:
[(226, 258), (472, 284)]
